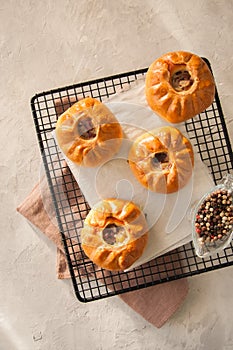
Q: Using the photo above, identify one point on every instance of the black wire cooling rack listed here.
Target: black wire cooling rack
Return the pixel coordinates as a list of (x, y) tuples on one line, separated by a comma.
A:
[(209, 135)]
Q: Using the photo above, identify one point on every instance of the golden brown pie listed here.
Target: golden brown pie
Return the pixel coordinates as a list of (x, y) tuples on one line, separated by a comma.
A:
[(162, 160), (88, 133), (179, 85), (115, 234)]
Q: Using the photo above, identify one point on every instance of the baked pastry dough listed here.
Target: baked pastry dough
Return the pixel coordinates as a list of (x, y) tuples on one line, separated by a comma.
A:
[(88, 133), (179, 85), (162, 159), (115, 234)]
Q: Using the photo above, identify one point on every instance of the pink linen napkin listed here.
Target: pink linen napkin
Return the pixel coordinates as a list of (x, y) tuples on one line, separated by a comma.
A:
[(156, 304)]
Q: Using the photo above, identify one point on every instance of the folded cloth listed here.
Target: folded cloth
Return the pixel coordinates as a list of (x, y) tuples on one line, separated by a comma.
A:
[(156, 304)]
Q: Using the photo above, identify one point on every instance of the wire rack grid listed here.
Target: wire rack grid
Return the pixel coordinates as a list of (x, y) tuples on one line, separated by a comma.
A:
[(208, 134)]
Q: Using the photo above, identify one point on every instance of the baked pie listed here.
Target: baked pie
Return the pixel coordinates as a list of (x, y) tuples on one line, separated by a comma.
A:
[(115, 234), (88, 133), (162, 159), (179, 85)]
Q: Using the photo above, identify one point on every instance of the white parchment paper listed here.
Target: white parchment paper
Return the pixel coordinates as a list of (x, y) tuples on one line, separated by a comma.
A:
[(168, 216)]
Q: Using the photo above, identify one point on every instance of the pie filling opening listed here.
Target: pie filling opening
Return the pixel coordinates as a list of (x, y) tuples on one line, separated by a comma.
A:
[(160, 160), (181, 80), (114, 234), (86, 129)]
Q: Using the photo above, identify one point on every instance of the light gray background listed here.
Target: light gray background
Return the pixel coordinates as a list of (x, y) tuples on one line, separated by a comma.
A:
[(49, 44)]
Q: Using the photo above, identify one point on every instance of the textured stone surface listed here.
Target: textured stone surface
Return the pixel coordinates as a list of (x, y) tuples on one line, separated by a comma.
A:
[(47, 44)]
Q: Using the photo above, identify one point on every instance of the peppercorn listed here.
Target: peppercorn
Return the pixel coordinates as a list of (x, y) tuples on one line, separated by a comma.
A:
[(214, 217)]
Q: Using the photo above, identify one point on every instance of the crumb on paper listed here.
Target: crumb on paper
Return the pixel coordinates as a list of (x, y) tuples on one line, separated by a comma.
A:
[(37, 336)]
